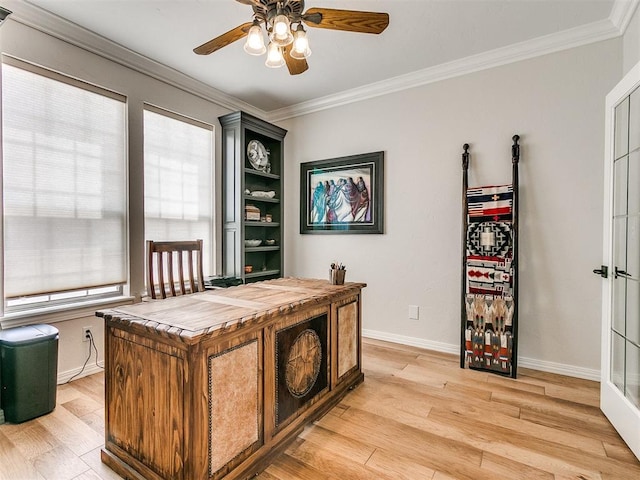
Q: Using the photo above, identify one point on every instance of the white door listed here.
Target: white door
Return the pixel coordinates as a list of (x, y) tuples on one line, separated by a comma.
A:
[(620, 377)]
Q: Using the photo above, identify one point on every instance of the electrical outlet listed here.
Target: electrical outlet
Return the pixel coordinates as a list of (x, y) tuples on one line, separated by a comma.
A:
[(87, 333), (414, 312)]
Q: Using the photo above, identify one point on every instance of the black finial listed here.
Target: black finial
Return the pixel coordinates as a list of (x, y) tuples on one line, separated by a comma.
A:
[(515, 149), (465, 156)]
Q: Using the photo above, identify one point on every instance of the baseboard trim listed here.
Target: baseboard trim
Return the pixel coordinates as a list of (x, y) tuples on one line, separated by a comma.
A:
[(535, 364), (411, 341), (560, 368), (88, 370)]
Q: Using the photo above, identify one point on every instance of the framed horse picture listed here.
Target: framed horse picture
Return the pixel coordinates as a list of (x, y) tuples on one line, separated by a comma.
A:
[(343, 195)]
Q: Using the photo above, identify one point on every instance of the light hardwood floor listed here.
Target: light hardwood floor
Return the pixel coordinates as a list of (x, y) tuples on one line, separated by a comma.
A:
[(416, 416)]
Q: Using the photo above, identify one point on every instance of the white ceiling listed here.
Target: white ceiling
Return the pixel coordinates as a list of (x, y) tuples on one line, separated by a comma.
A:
[(423, 37)]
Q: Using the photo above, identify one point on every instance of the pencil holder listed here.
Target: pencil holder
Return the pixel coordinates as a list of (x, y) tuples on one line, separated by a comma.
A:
[(336, 277)]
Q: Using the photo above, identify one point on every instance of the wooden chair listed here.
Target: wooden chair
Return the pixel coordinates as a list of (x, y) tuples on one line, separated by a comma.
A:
[(163, 258)]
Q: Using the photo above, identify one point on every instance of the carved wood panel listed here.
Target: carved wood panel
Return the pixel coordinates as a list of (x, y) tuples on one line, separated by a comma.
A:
[(347, 337), (301, 365), (234, 407)]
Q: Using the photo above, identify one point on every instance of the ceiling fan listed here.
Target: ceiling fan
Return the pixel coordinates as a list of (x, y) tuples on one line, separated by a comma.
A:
[(287, 45)]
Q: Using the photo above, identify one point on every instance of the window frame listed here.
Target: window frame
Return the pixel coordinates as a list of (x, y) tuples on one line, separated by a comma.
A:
[(93, 294), (209, 254)]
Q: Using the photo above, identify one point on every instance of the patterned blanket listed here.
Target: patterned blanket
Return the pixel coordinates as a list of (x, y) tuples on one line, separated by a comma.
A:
[(489, 279)]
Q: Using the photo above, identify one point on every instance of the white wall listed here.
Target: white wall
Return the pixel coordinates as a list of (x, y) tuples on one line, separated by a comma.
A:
[(556, 104), (32, 45), (631, 43)]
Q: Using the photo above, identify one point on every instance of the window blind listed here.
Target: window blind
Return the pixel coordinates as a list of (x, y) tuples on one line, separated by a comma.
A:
[(178, 178), (64, 183)]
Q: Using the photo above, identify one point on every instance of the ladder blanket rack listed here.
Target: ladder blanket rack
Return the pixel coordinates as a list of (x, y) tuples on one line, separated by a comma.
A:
[(489, 310)]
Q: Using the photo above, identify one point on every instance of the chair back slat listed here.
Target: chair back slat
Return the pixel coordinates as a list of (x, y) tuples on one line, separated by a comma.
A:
[(172, 280), (160, 263), (181, 270), (191, 280), (167, 257)]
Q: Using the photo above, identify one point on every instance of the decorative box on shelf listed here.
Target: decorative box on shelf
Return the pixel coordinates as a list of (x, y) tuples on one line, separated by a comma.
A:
[(251, 213)]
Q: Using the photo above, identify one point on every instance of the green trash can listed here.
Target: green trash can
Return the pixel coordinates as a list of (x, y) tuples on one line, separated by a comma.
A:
[(28, 371)]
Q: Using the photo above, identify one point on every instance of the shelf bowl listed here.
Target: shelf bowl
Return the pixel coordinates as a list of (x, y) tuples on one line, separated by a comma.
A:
[(252, 243), (270, 242), (263, 194)]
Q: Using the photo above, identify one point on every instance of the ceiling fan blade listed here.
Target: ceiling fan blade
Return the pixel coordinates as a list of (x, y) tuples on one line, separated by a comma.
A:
[(224, 39), (347, 20), (249, 2), (295, 66)]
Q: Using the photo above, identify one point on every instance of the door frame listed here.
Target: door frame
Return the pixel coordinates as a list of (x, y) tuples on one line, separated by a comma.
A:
[(622, 414)]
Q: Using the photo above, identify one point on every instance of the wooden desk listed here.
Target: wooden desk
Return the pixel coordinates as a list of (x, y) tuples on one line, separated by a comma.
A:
[(215, 384)]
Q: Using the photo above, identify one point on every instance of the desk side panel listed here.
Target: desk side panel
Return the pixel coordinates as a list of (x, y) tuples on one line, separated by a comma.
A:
[(348, 332), (144, 408)]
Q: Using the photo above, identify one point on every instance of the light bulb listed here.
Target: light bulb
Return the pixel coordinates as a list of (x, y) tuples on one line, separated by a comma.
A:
[(274, 56), (281, 25), (300, 48), (255, 43), (281, 33)]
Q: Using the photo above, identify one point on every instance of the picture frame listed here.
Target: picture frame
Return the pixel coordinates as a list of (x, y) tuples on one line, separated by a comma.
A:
[(343, 195)]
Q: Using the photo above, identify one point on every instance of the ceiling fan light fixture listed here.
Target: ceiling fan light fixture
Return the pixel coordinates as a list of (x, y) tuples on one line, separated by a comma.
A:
[(255, 42), (283, 20), (274, 56), (300, 48)]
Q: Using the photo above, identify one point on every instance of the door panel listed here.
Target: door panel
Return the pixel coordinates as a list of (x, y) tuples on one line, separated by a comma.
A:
[(620, 372), (620, 242), (617, 361), (622, 134), (632, 321), (620, 175), (632, 378), (634, 120), (619, 306), (633, 246), (634, 179), (632, 331)]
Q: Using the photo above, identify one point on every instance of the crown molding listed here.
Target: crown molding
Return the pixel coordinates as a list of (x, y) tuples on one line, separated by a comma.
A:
[(622, 12), (575, 37), (41, 20), (58, 27)]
